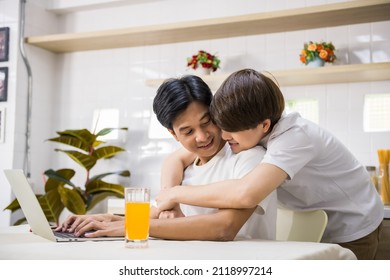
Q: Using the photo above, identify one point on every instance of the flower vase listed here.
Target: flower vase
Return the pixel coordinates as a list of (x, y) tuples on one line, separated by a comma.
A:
[(316, 62), (203, 71)]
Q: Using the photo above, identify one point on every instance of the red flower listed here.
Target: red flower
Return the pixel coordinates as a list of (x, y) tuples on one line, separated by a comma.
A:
[(203, 59)]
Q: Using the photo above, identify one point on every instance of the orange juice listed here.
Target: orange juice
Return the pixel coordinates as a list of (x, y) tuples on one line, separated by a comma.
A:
[(137, 220)]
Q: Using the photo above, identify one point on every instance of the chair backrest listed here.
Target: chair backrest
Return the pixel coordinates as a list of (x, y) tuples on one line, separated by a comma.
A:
[(306, 226)]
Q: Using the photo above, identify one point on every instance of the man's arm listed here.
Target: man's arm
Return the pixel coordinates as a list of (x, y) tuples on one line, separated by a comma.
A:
[(173, 168), (171, 175), (246, 192), (220, 226)]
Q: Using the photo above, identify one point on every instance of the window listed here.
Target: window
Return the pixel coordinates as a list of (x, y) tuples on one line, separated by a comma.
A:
[(307, 108), (376, 114)]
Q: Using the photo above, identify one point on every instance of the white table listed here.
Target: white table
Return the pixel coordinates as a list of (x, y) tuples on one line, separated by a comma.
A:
[(18, 243)]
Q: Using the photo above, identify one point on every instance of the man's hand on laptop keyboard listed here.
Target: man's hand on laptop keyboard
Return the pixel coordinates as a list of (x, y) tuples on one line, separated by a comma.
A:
[(99, 229), (100, 224)]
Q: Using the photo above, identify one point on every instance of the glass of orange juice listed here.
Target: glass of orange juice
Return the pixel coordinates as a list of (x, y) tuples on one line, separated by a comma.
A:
[(137, 209)]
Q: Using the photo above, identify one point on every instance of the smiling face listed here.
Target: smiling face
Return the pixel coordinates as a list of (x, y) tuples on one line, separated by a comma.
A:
[(246, 139), (194, 129)]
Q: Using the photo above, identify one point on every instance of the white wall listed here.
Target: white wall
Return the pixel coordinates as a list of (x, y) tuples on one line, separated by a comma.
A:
[(71, 86), (8, 18), (44, 65)]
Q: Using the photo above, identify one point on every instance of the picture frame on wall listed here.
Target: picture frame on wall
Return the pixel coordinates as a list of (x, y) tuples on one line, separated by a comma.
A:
[(2, 125), (3, 83), (4, 43)]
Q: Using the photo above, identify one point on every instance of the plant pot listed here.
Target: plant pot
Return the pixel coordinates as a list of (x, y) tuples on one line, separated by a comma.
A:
[(203, 71), (316, 62)]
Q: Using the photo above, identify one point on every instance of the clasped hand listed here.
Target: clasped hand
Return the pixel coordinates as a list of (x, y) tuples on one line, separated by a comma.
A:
[(164, 200)]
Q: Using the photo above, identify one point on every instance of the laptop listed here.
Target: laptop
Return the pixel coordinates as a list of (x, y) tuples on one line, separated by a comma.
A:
[(34, 213)]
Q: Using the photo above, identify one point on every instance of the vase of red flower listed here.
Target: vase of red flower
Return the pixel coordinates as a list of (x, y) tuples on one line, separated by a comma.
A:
[(203, 71), (203, 62)]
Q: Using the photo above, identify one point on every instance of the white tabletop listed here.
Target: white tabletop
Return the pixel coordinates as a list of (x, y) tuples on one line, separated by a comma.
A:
[(18, 243)]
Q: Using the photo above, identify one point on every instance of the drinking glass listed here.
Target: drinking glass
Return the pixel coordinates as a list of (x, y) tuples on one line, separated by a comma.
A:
[(137, 210)]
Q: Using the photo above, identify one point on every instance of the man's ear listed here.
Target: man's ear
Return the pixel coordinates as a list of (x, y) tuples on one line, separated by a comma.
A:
[(173, 134), (266, 125)]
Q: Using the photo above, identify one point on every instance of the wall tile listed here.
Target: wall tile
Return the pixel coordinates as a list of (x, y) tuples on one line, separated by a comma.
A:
[(380, 51), (337, 97), (339, 37), (275, 5), (380, 31)]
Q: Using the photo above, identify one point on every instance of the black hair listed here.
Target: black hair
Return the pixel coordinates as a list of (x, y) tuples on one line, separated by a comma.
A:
[(176, 94)]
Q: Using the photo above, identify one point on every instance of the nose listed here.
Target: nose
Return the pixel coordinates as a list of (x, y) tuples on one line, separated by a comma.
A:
[(202, 135), (226, 135)]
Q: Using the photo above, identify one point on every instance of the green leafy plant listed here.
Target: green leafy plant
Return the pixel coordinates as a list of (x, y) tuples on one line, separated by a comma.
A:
[(61, 192)]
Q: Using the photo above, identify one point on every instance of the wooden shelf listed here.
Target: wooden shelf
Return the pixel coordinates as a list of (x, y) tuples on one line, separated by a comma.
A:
[(352, 73), (361, 11)]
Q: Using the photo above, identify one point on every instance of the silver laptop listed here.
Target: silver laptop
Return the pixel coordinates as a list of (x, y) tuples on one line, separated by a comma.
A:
[(34, 213)]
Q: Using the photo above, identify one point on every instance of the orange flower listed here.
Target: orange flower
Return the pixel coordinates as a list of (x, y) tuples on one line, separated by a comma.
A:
[(323, 54), (321, 50), (312, 47)]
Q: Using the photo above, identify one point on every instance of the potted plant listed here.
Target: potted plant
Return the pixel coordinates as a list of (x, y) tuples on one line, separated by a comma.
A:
[(203, 60), (61, 192), (317, 52)]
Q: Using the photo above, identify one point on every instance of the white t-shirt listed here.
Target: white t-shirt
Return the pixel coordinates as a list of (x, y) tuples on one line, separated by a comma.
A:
[(227, 165), (323, 174)]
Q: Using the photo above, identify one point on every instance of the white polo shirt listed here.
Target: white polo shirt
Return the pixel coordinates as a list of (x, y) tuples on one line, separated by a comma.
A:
[(227, 165), (323, 174)]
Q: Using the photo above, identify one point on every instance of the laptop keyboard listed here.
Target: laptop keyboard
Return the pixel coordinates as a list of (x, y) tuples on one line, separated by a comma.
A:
[(61, 234)]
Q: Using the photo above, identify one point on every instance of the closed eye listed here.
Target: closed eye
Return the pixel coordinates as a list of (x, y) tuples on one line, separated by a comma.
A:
[(208, 121), (189, 132)]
